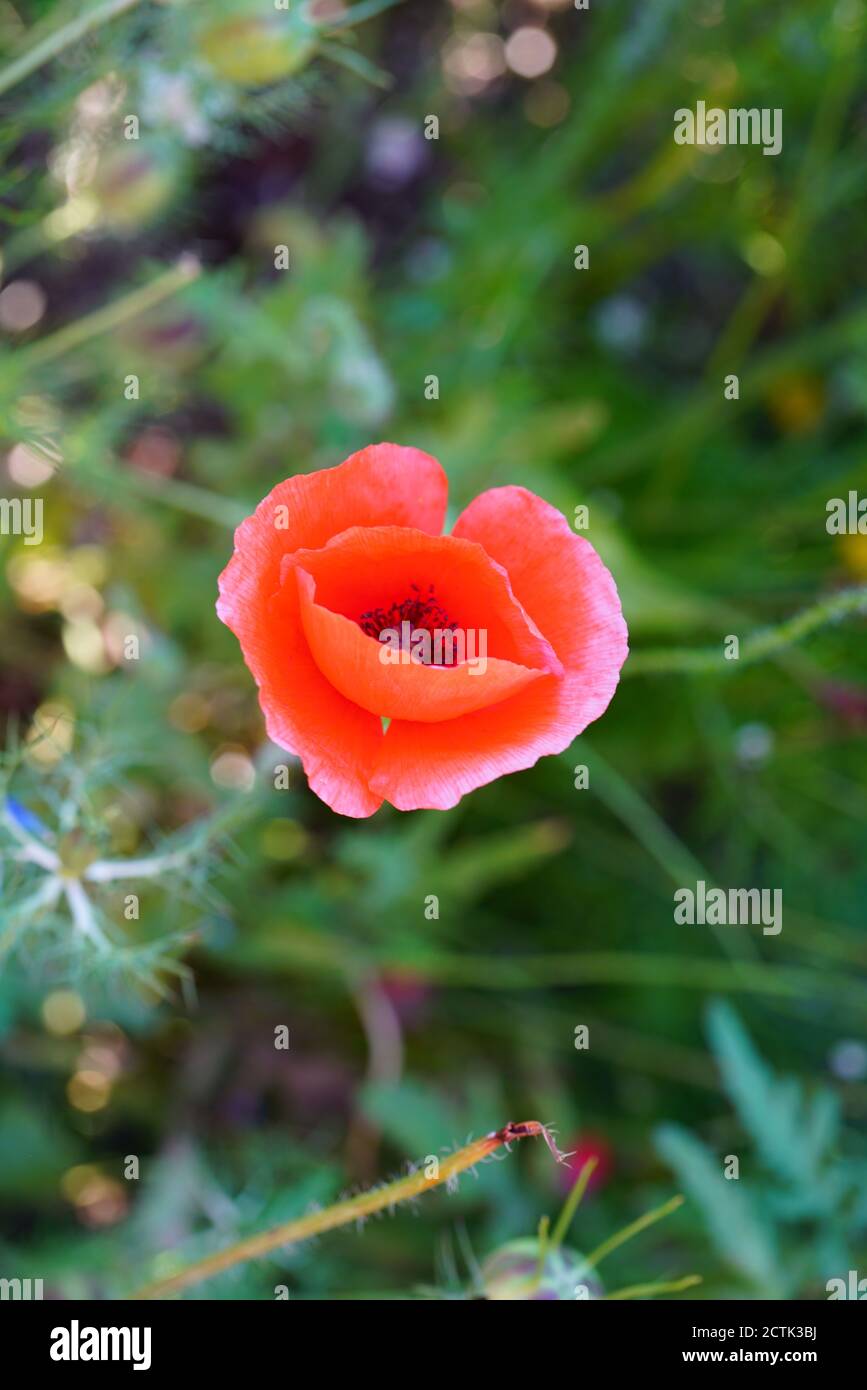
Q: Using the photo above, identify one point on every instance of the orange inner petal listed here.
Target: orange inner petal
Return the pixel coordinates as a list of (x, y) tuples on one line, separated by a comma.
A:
[(389, 681), (369, 568)]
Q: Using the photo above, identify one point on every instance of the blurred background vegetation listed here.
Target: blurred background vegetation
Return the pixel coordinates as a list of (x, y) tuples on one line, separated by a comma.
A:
[(159, 374)]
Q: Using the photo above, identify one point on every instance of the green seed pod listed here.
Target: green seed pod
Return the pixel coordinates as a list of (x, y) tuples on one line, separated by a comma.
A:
[(257, 49), (132, 186), (512, 1273)]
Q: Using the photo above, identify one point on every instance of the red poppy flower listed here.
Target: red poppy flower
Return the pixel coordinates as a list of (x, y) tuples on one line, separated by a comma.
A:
[(581, 1149), (336, 570)]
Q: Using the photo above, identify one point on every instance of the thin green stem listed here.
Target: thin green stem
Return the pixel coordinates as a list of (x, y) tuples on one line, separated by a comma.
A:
[(758, 646), (368, 9), (327, 956), (640, 968), (672, 856), (572, 1203), (189, 498), (55, 43), (653, 1290), (356, 63), (544, 1247), (649, 829), (112, 316), (619, 1238)]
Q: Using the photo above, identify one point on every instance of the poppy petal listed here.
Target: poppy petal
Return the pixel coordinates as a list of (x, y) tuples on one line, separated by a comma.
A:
[(336, 740), (566, 590), (561, 582)]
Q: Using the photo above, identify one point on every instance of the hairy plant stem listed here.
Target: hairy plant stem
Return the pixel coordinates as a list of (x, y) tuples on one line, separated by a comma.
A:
[(759, 645), (354, 1209)]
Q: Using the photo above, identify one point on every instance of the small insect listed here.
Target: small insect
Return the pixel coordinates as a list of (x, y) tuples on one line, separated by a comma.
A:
[(531, 1129), (528, 1129)]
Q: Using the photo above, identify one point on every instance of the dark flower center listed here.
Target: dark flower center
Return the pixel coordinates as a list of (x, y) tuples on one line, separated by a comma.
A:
[(420, 612)]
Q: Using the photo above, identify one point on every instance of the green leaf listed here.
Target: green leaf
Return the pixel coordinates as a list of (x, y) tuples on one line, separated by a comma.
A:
[(738, 1231), (410, 1115), (793, 1135)]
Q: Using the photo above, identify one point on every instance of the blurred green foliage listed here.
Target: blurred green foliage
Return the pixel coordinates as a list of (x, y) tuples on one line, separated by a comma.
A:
[(154, 259)]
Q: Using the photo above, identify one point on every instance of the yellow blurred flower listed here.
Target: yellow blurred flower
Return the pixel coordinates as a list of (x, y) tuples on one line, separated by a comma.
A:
[(796, 403), (853, 552)]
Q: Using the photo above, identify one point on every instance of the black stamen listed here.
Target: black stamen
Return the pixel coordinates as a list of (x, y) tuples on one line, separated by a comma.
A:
[(420, 611)]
